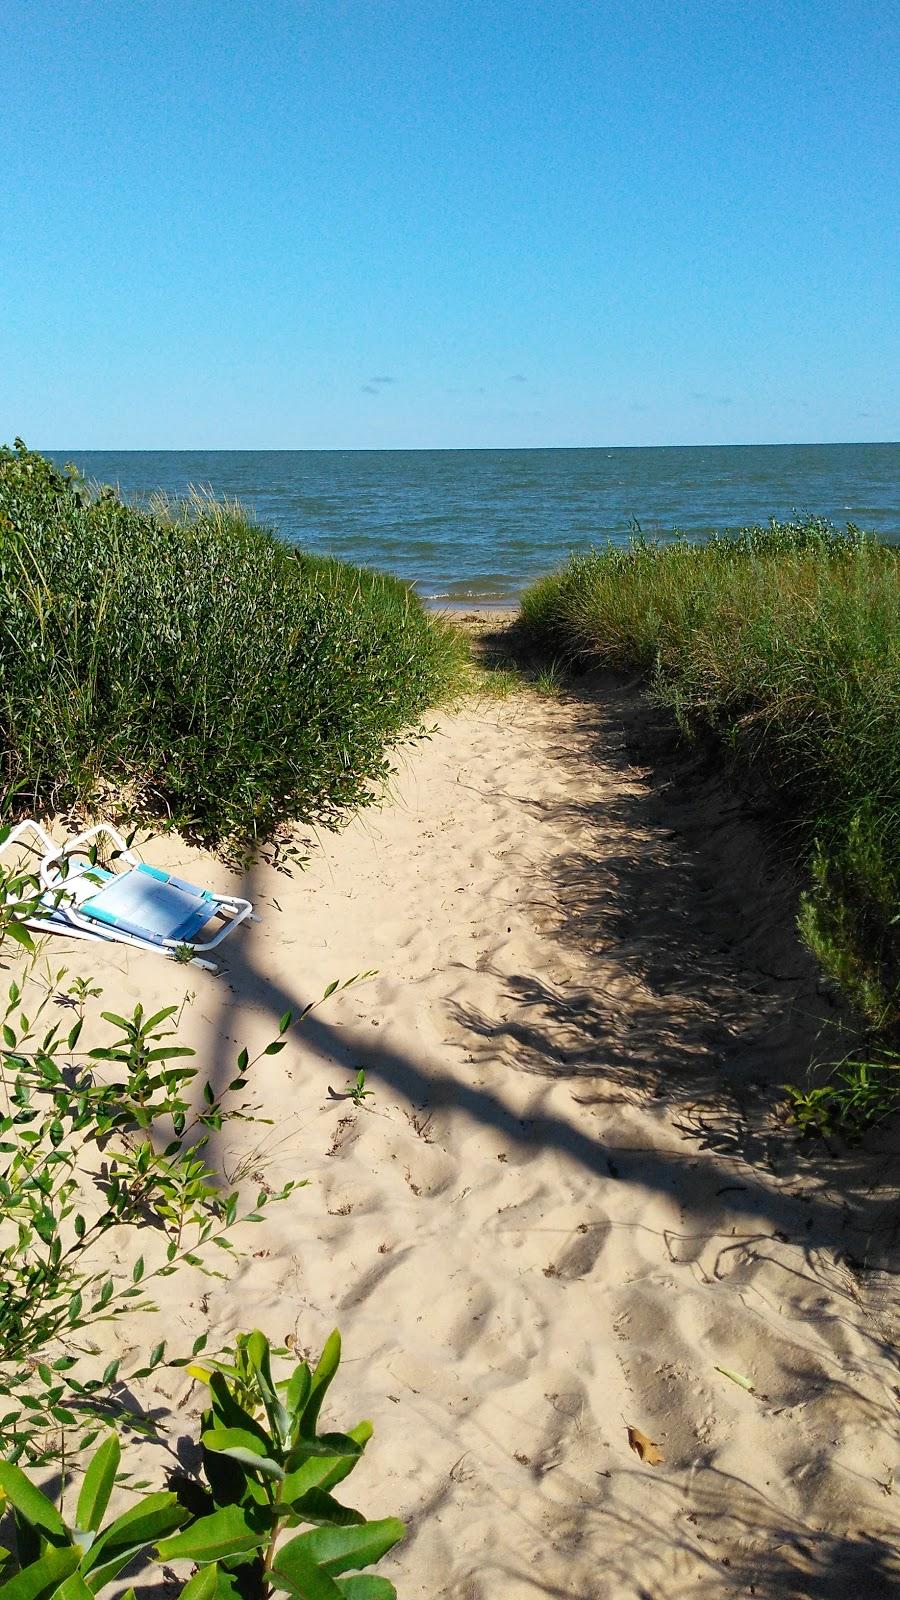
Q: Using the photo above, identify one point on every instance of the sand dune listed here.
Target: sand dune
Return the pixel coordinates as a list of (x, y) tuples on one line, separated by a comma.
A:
[(569, 1202)]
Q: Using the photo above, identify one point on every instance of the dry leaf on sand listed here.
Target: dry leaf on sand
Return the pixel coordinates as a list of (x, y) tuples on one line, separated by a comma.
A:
[(644, 1447)]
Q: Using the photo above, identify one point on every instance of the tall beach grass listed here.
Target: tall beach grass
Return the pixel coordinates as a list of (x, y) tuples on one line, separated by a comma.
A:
[(784, 643), (187, 659)]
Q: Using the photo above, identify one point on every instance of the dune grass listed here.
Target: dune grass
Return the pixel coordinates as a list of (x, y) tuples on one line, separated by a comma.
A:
[(186, 660), (784, 643)]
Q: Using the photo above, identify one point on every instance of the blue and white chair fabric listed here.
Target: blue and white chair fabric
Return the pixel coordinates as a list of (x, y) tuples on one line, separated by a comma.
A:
[(126, 902)]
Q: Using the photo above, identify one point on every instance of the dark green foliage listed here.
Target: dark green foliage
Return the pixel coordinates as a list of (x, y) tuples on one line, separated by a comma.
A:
[(784, 643), (195, 666)]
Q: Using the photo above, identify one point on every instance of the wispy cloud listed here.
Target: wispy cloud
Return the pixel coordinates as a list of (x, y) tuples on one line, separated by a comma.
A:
[(369, 388)]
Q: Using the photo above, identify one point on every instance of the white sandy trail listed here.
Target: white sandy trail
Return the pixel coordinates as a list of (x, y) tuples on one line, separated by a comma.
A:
[(566, 1205)]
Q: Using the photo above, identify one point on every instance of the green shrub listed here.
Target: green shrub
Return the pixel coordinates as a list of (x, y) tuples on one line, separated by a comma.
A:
[(268, 1471), (185, 661), (784, 643)]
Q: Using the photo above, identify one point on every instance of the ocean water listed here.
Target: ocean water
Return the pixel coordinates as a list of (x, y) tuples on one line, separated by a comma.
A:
[(469, 526)]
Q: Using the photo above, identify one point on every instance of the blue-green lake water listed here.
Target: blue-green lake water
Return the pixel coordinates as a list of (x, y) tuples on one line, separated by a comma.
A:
[(470, 526)]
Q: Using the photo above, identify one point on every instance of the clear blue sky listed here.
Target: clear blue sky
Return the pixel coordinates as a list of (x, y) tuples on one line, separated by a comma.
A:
[(448, 222)]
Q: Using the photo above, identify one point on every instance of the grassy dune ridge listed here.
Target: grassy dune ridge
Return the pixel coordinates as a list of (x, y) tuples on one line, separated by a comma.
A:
[(187, 658), (784, 643)]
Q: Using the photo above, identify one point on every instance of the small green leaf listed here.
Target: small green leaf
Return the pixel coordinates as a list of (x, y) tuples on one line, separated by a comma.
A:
[(97, 1486), (20, 934), (154, 1516), (302, 1576), (31, 1504), (366, 1586), (322, 1444), (327, 1471), (298, 1389), (74, 1588), (327, 1366), (241, 1446), (338, 1549), (317, 1505), (210, 1583), (214, 1538), (43, 1577)]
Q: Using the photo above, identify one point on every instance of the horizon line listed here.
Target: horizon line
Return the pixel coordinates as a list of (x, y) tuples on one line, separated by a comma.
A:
[(464, 449)]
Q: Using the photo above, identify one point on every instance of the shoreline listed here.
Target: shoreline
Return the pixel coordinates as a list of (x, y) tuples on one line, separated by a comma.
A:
[(475, 608)]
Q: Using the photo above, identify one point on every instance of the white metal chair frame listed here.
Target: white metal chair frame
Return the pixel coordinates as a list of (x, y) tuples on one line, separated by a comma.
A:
[(61, 890)]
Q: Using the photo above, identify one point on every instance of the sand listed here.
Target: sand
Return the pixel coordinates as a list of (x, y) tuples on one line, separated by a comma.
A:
[(569, 1201)]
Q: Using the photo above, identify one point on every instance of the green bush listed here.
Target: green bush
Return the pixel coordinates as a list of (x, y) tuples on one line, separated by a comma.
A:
[(190, 665), (784, 643), (268, 1471)]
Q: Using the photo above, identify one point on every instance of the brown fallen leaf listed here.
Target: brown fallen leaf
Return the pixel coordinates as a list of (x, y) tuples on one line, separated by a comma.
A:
[(644, 1447)]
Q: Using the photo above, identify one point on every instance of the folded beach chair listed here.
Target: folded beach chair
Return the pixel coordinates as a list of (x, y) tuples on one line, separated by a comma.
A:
[(126, 902)]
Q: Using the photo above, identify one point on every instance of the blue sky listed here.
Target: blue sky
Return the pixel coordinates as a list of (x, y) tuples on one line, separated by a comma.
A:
[(409, 223)]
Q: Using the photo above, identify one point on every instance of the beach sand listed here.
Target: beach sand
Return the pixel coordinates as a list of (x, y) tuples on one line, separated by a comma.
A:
[(569, 1202)]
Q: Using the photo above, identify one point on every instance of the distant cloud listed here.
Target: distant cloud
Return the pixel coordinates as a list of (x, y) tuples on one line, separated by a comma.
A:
[(369, 388), (388, 379), (517, 377)]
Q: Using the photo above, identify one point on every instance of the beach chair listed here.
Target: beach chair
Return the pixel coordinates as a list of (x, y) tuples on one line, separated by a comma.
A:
[(124, 902)]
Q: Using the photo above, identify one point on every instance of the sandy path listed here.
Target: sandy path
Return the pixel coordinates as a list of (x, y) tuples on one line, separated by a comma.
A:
[(567, 1203)]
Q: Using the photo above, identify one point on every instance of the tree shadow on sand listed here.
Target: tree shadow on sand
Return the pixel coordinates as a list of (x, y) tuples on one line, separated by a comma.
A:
[(687, 989), (674, 1550), (693, 991)]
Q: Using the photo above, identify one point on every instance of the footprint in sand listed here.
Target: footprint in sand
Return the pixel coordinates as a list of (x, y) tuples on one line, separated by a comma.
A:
[(371, 1279), (581, 1256), (469, 1327)]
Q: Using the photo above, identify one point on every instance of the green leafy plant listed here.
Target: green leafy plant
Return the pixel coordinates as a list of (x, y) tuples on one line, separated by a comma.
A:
[(356, 1090), (67, 1133), (77, 1561), (268, 1471), (128, 1120), (858, 1095)]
